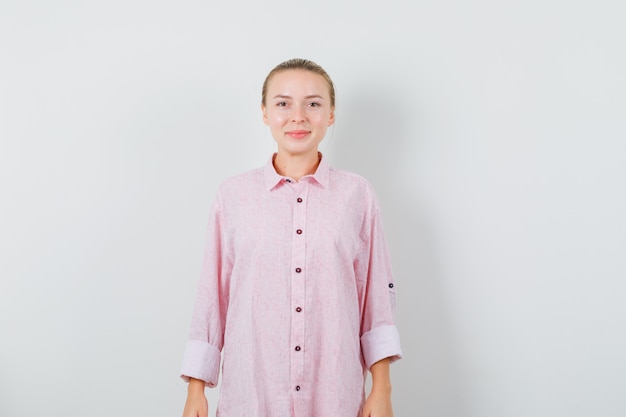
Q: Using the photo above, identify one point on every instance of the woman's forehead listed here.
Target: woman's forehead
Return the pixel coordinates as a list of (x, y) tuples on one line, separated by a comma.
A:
[(297, 81)]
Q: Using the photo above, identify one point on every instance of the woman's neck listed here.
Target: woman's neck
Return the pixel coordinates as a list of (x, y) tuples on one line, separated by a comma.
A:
[(297, 166)]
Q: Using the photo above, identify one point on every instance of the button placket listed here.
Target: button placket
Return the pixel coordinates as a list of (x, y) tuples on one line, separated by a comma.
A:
[(298, 283)]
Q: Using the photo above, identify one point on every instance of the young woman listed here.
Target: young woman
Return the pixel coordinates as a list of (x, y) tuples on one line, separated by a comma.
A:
[(296, 289)]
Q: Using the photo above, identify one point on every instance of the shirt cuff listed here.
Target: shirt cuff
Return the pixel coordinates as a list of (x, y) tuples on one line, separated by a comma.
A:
[(380, 343), (201, 360)]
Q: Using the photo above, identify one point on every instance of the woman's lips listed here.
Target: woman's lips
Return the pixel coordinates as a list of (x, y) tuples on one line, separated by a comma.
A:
[(297, 134)]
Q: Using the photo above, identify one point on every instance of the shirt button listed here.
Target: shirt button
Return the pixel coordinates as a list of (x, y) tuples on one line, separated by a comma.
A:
[(288, 180), (299, 200), (298, 309), (297, 387), (299, 231), (298, 348), (391, 285), (298, 270)]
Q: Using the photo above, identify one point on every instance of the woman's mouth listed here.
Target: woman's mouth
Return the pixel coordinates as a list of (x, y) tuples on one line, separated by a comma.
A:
[(297, 134)]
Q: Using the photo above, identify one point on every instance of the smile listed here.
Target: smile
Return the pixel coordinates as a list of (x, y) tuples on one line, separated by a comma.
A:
[(298, 134)]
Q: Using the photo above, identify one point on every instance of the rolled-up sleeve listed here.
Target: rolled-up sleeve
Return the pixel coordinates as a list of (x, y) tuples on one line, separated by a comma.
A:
[(379, 336), (201, 360), (202, 355)]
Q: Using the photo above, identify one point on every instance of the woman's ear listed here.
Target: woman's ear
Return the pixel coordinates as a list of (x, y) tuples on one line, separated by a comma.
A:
[(264, 111), (331, 120)]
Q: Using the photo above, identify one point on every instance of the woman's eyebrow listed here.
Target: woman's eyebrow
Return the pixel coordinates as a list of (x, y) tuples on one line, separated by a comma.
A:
[(280, 96)]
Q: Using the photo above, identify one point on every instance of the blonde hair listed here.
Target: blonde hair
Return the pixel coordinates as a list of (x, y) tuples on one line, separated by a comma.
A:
[(301, 64)]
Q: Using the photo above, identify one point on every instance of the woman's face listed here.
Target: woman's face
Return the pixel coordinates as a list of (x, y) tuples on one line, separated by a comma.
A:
[(298, 111)]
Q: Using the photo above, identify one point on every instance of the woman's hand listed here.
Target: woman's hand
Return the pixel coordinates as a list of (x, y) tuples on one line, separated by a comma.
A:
[(196, 404), (378, 403)]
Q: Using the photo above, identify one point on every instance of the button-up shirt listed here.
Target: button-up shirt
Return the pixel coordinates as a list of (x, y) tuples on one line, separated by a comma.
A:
[(296, 291)]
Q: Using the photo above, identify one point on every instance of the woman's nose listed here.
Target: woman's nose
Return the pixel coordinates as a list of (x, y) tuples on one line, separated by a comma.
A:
[(298, 114)]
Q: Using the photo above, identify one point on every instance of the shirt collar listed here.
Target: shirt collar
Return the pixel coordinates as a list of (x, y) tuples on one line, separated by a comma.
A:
[(273, 178)]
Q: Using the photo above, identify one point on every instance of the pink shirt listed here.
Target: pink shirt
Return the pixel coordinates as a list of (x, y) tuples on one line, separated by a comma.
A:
[(297, 290)]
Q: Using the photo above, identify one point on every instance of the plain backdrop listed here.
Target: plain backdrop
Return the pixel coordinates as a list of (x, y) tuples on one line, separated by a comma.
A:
[(493, 131)]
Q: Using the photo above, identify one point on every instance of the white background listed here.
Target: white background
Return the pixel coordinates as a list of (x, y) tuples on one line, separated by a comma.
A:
[(493, 131)]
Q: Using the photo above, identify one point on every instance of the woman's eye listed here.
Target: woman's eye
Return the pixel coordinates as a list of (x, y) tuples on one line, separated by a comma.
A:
[(281, 104), (314, 104)]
